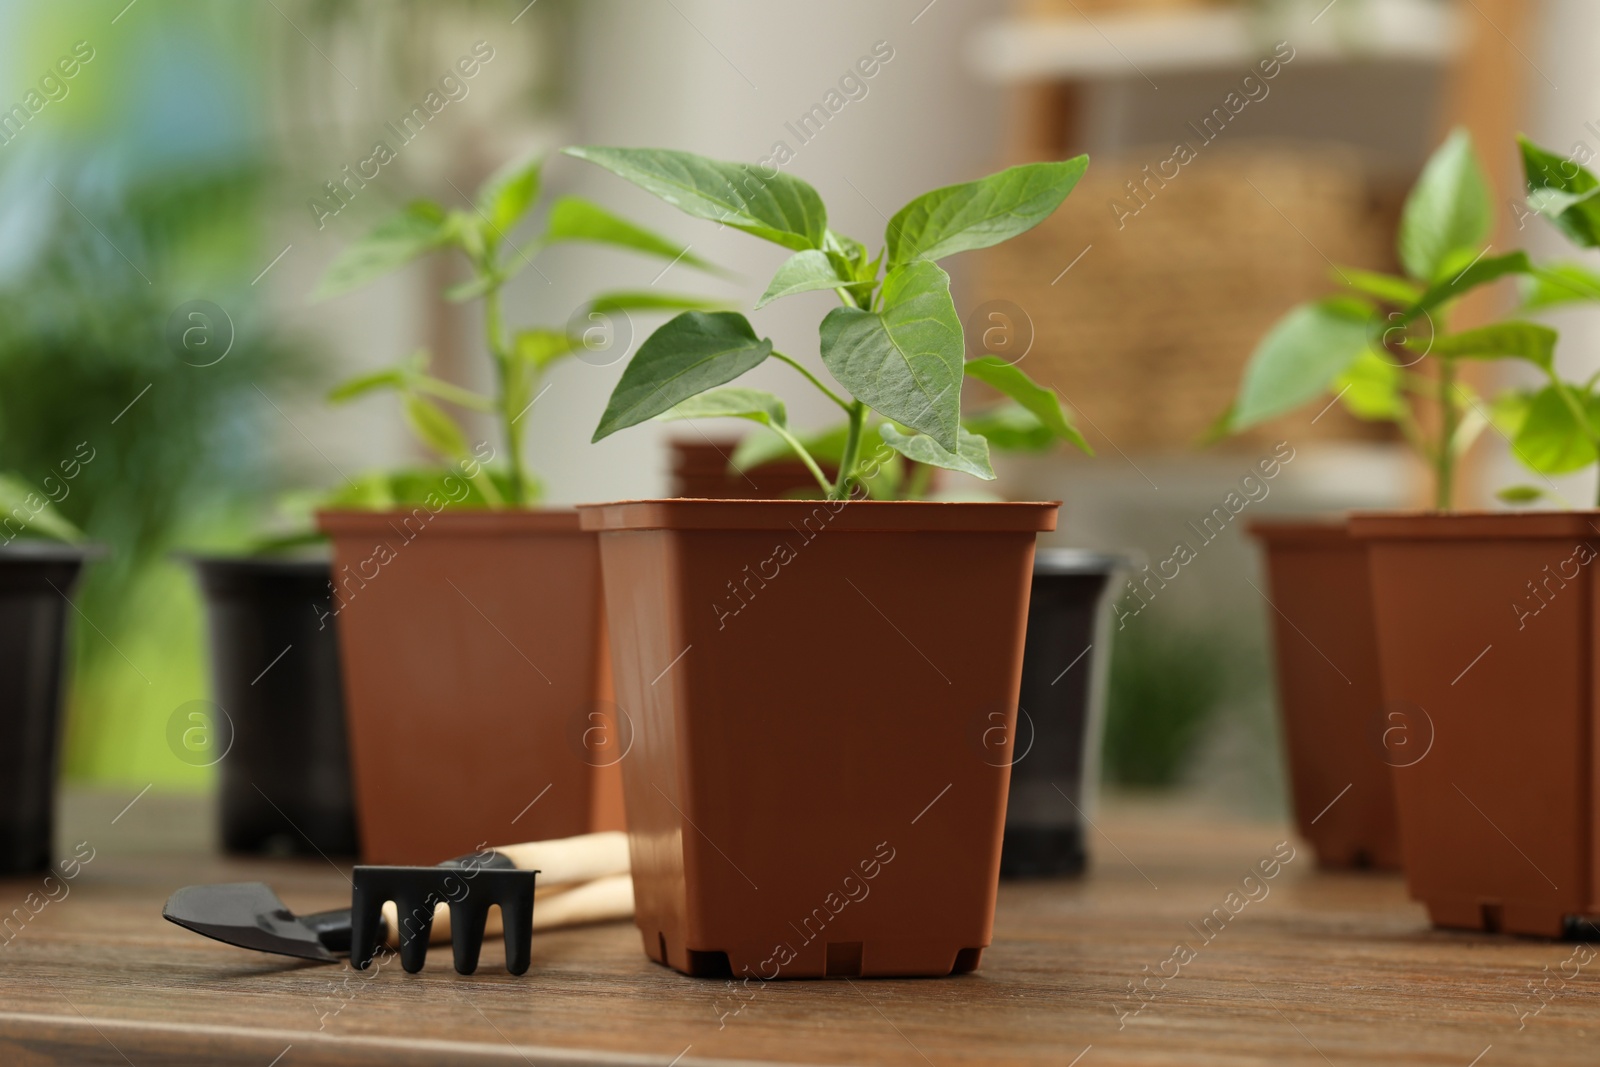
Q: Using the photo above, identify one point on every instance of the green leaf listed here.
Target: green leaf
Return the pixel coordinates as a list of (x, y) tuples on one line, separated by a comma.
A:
[(509, 193), (1564, 192), (1480, 271), (470, 289), (1043, 403), (573, 218), (650, 300), (1520, 494), (1307, 349), (803, 272), (780, 208), (451, 392), (412, 486), (1550, 440), (1010, 428), (904, 361), (434, 428), (695, 351), (958, 218), (825, 446), (736, 402), (1370, 388), (972, 457), (540, 348), (419, 229), (1509, 411), (1389, 288), (1448, 209), (23, 505), (1559, 283), (362, 384), (1513, 340)]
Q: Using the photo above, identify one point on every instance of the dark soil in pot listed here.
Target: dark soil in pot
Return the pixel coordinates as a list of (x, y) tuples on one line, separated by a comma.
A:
[(285, 776), (1488, 638), (476, 684), (1329, 693), (35, 582), (1060, 715), (809, 792)]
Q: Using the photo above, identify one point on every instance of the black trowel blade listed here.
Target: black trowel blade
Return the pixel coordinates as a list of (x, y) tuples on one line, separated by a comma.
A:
[(245, 914)]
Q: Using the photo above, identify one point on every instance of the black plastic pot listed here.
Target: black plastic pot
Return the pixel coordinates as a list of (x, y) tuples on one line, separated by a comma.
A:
[(1061, 712), (35, 581), (281, 748)]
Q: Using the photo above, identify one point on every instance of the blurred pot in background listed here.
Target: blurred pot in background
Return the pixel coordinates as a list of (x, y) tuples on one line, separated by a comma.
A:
[(36, 581), (1061, 712), (1330, 693), (281, 747)]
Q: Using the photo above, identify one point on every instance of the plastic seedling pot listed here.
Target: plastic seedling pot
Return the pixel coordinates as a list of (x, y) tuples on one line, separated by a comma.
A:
[(285, 770), (1055, 757), (1487, 636), (1340, 749), (476, 685), (35, 581), (809, 792)]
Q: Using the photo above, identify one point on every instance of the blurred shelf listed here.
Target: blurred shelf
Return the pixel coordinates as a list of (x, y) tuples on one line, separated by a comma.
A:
[(1085, 47)]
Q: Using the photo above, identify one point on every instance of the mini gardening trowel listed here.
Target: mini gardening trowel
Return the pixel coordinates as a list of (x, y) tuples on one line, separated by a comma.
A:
[(584, 879)]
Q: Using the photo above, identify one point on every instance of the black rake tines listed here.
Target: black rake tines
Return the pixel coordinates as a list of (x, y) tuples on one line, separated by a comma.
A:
[(416, 891)]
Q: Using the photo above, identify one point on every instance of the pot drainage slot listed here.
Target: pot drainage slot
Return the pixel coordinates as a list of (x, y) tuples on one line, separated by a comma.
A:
[(709, 964), (1491, 917), (844, 959)]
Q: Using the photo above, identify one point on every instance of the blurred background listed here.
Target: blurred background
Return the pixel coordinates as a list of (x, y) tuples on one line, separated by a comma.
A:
[(203, 152)]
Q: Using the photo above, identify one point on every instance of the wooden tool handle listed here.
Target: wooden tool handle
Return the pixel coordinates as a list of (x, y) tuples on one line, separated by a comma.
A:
[(601, 900), (569, 860), (582, 879)]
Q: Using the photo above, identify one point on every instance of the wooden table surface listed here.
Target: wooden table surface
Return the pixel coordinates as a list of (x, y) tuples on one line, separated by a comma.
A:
[(1318, 969)]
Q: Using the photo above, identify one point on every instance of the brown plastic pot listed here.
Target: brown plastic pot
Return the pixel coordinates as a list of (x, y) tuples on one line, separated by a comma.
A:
[(476, 685), (1487, 632), (811, 789), (1329, 692)]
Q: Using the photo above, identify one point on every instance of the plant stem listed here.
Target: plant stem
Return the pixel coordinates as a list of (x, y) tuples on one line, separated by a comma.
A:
[(805, 457), (494, 334), (814, 380), (852, 451), (1449, 418), (917, 481)]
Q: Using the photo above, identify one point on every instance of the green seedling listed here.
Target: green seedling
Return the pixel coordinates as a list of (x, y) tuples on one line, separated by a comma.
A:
[(1383, 345), (521, 357), (895, 346)]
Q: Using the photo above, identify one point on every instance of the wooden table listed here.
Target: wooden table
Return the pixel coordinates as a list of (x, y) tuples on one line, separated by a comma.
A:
[(1318, 969)]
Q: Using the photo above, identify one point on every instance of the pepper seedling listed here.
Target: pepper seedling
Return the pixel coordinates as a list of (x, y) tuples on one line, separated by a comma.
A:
[(1383, 344), (1555, 429), (521, 357), (895, 346)]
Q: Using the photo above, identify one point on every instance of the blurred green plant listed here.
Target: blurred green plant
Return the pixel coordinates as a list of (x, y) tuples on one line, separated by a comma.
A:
[(1167, 682), (139, 192), (1555, 428), (521, 358), (1367, 344), (88, 367)]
